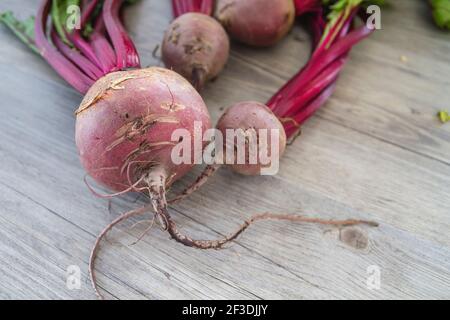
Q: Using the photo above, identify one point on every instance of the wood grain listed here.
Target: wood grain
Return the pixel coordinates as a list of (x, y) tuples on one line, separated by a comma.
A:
[(376, 151)]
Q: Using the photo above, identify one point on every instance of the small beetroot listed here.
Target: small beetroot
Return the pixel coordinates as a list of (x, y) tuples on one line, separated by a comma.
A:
[(253, 119), (197, 47), (258, 23)]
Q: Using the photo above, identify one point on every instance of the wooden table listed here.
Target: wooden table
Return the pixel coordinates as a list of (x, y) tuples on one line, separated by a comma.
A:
[(375, 151)]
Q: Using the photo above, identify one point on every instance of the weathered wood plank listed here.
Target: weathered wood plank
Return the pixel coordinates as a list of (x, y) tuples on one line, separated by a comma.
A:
[(376, 151)]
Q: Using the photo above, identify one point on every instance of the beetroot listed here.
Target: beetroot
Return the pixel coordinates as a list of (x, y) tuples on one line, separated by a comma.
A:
[(125, 122), (253, 118), (247, 118), (259, 23), (197, 47)]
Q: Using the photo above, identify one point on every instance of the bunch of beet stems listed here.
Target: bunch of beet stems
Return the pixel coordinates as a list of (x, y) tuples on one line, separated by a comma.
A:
[(312, 87), (200, 6), (80, 59), (304, 94)]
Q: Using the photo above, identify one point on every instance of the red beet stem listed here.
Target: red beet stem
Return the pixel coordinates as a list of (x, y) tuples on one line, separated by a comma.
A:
[(310, 88), (88, 10), (206, 7), (126, 53), (102, 47), (104, 52), (176, 8), (317, 26), (320, 62), (62, 65), (76, 57), (82, 60), (317, 64), (315, 105), (307, 6), (76, 38), (339, 29), (313, 89), (181, 7), (84, 47)]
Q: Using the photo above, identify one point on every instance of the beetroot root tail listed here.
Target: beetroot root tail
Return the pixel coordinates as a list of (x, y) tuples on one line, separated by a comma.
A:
[(201, 180), (157, 194), (156, 187), (198, 78), (218, 244), (100, 237)]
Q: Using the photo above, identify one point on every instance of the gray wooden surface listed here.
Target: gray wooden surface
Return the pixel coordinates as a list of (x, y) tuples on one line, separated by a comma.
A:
[(376, 151)]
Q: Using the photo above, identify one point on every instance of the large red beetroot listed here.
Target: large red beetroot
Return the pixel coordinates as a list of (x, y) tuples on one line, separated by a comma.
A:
[(125, 123)]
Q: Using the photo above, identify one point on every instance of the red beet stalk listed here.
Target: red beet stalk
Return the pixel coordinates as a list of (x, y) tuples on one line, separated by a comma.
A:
[(307, 6), (84, 64), (184, 6), (309, 89), (126, 53), (66, 69), (102, 47), (86, 55)]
